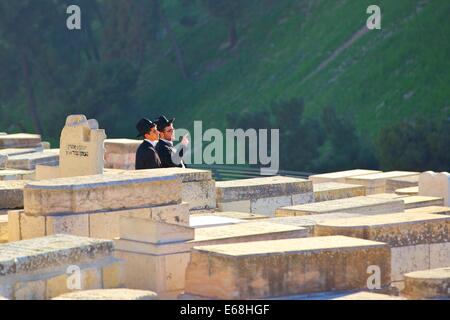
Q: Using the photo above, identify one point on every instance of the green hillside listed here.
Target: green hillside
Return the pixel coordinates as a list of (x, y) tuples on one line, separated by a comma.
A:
[(382, 77)]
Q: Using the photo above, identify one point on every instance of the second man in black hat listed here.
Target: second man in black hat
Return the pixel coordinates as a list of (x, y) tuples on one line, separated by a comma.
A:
[(146, 155), (169, 155)]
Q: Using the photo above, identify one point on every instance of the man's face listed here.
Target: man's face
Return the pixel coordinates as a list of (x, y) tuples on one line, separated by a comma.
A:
[(168, 133), (153, 134)]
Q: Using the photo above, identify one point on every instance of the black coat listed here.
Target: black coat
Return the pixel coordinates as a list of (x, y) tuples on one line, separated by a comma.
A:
[(147, 157), (165, 151)]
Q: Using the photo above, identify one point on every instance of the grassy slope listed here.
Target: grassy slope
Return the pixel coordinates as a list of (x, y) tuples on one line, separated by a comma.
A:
[(399, 71)]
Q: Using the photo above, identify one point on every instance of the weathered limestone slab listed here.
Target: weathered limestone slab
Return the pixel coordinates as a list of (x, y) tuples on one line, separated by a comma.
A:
[(198, 188), (20, 140), (100, 193), (340, 176), (376, 182), (255, 270), (411, 191), (212, 221), (363, 204), (430, 209), (3, 228), (332, 190), (233, 215), (262, 195), (109, 294), (412, 237), (5, 153), (411, 201), (38, 268), (29, 161), (402, 182), (121, 153), (428, 284), (11, 194), (81, 150), (364, 295), (435, 185), (13, 174)]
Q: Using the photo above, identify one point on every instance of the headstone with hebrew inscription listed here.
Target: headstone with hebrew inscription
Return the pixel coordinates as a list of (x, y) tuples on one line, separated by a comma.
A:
[(81, 150)]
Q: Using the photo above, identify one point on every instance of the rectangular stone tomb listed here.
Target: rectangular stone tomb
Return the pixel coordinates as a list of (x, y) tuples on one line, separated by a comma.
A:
[(121, 153), (13, 174), (402, 182), (11, 194), (232, 214), (29, 161), (430, 209), (20, 140), (418, 240), (428, 284), (340, 176), (5, 153), (100, 193), (204, 221), (334, 190), (102, 225), (198, 188), (40, 268), (363, 205), (263, 195), (411, 202), (3, 228), (376, 182), (256, 270), (411, 191)]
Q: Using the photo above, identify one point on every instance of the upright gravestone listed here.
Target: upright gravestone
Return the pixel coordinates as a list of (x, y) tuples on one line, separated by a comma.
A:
[(81, 150)]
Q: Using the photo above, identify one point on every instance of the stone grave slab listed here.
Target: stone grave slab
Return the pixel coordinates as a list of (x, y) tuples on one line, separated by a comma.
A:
[(435, 185), (262, 195), (20, 140), (428, 284), (411, 191), (87, 194), (363, 204), (11, 194), (430, 209), (333, 190), (418, 240), (233, 214), (340, 176), (13, 174), (204, 221), (121, 153), (402, 182), (29, 161), (38, 269), (254, 270), (3, 228), (109, 294), (376, 182)]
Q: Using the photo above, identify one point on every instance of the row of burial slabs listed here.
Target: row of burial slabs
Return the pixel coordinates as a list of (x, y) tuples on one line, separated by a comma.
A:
[(78, 222)]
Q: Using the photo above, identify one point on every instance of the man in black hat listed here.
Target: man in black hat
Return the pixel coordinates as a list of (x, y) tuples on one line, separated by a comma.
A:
[(146, 155), (169, 155)]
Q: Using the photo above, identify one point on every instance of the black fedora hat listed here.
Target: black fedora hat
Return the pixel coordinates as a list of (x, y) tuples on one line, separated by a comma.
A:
[(162, 122), (143, 126)]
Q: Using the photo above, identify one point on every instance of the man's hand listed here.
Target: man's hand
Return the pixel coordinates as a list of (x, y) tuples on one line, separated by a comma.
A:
[(185, 140)]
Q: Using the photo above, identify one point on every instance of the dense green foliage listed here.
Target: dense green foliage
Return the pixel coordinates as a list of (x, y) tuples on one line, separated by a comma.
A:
[(301, 65)]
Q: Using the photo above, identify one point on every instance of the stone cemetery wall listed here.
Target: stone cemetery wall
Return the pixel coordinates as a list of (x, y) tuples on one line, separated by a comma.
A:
[(435, 184), (40, 268), (262, 195)]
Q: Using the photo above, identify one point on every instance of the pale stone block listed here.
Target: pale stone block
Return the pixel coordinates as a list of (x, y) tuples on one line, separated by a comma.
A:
[(31, 227), (199, 194), (435, 185), (105, 225), (233, 214), (113, 276), (121, 153), (430, 209), (363, 204), (185, 174), (74, 224), (239, 206), (268, 206), (402, 182), (30, 290), (411, 191), (412, 202), (428, 284), (56, 286), (17, 151), (20, 140), (171, 214), (439, 255), (211, 221), (256, 270), (109, 294), (12, 174), (340, 176), (302, 198), (175, 270), (146, 230), (364, 295), (100, 193), (256, 188), (409, 258), (4, 228), (44, 172), (14, 225), (376, 183), (29, 161), (332, 190)]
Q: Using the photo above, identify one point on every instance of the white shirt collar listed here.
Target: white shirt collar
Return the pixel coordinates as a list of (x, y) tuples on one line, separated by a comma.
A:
[(153, 143), (167, 141)]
